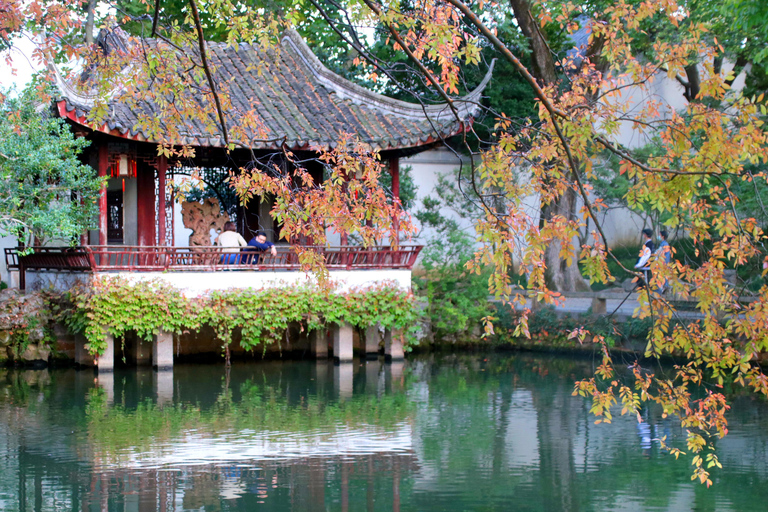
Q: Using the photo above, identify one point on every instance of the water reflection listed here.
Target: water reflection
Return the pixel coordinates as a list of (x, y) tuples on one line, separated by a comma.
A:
[(447, 433)]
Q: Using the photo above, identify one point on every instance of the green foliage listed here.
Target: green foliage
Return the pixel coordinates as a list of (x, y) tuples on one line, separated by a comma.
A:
[(115, 306), (548, 329), (458, 297), (44, 188), (19, 321), (748, 20)]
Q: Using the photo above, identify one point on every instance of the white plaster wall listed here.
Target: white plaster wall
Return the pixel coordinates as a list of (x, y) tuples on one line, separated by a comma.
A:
[(6, 242), (180, 233), (130, 212), (426, 168), (197, 283), (665, 91)]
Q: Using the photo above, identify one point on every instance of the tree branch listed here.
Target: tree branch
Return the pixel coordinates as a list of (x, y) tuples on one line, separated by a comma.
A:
[(155, 18), (207, 69), (502, 48), (432, 80)]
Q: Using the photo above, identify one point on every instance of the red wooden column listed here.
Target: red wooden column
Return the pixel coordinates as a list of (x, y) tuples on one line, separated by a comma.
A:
[(162, 167), (145, 190), (86, 236), (344, 238), (103, 169), (394, 171)]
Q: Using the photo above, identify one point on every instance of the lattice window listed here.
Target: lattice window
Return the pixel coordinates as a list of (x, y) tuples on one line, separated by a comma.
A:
[(169, 238), (168, 192)]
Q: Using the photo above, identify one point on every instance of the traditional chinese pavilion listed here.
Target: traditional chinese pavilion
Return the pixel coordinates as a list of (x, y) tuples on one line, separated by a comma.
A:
[(301, 104), (302, 107)]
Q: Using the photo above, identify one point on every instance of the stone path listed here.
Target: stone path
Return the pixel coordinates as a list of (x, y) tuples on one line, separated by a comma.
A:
[(619, 304)]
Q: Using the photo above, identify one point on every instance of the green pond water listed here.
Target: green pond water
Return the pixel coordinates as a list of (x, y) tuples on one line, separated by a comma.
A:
[(436, 433)]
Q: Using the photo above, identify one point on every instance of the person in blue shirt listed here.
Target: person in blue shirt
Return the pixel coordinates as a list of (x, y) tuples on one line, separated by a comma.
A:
[(664, 253), (260, 244)]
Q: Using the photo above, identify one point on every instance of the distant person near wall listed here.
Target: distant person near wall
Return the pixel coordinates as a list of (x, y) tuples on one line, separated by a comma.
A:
[(645, 255), (664, 253)]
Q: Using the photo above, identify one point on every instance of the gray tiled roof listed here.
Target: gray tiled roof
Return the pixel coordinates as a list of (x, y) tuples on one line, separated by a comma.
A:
[(299, 101)]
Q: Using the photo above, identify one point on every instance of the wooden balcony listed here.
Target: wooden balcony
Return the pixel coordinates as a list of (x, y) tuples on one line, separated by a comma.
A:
[(100, 258)]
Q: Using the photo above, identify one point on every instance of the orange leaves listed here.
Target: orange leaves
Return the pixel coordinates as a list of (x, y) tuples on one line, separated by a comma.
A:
[(593, 263), (350, 201)]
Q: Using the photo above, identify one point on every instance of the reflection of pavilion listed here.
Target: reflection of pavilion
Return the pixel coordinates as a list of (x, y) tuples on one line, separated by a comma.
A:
[(349, 466), (348, 483), (250, 448)]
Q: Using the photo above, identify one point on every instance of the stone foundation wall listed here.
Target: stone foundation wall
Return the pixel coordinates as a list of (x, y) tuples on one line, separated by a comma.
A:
[(23, 327)]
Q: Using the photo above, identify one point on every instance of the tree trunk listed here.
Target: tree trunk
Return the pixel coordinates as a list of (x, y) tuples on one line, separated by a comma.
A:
[(694, 82), (560, 275), (542, 62), (90, 9)]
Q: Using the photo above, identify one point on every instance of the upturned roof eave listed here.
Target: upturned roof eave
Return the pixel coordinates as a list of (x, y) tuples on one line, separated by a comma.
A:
[(466, 106)]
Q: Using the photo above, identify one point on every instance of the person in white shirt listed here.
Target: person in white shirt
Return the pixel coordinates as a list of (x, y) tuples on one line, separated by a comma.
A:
[(231, 241), (645, 255)]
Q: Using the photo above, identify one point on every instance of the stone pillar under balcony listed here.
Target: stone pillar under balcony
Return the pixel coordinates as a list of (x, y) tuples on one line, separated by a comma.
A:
[(162, 351), (343, 339), (393, 345), (371, 342), (106, 360)]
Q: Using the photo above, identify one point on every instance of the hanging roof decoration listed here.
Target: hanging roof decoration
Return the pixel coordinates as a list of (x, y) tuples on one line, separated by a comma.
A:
[(299, 103)]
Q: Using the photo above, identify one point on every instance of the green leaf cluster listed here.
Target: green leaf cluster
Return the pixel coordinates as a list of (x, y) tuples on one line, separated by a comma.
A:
[(44, 188), (114, 306)]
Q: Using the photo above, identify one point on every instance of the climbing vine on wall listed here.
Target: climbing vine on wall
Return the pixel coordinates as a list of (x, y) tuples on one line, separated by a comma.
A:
[(114, 306)]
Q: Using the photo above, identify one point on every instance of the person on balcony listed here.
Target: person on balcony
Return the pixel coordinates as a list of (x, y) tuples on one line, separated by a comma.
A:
[(231, 241), (260, 244)]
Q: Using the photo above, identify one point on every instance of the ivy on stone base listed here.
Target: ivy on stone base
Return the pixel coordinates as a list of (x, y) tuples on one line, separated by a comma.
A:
[(114, 306)]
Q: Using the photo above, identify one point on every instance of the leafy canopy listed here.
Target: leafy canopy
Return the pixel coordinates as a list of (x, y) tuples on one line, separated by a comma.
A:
[(45, 191)]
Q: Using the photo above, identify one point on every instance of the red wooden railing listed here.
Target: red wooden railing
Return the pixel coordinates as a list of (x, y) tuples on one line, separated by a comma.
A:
[(146, 259)]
